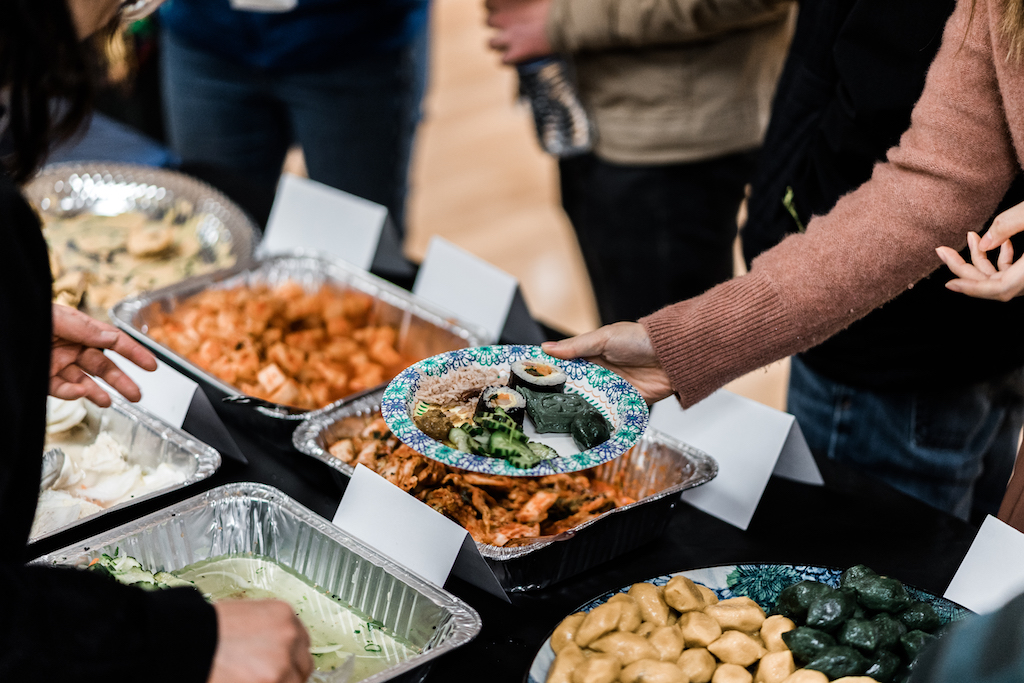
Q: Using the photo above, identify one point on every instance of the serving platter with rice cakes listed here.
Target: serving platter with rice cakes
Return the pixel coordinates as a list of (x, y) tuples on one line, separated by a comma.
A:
[(513, 410)]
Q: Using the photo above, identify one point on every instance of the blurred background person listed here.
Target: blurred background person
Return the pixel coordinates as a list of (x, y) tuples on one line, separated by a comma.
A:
[(679, 93), (870, 395), (243, 80), (948, 175)]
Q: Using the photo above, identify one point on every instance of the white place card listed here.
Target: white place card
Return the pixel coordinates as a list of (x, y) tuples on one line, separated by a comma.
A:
[(468, 286), (166, 393), (411, 533), (992, 572), (748, 440), (313, 217)]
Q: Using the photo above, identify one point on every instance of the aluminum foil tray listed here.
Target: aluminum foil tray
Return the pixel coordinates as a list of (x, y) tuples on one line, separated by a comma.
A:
[(149, 442), (424, 330), (258, 519), (108, 189), (654, 473)]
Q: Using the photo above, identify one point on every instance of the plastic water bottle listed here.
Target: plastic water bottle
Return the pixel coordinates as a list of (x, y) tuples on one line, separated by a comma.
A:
[(563, 127)]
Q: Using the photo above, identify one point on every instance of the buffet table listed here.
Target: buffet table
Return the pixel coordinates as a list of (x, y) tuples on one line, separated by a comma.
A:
[(852, 519)]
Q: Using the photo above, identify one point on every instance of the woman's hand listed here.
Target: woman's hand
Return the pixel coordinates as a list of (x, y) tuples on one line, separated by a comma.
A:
[(259, 641), (78, 343), (1000, 282), (623, 348)]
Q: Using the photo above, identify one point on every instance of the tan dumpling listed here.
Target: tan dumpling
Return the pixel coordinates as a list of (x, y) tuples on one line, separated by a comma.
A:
[(628, 647), (565, 632), (599, 668), (682, 594), (698, 664), (568, 660), (652, 605), (775, 667), (668, 641), (698, 629), (652, 671), (599, 621), (735, 647), (630, 619), (806, 676), (710, 597), (740, 614), (731, 673), (646, 628), (772, 630)]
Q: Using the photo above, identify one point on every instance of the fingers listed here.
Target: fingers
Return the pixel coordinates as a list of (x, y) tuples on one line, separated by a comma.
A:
[(94, 362), (1005, 225), (978, 256), (586, 345), (134, 351), (76, 327), (73, 383), (956, 263), (301, 658), (1005, 256)]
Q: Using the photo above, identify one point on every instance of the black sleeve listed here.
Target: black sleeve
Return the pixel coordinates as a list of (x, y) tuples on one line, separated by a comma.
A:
[(99, 628), (60, 621)]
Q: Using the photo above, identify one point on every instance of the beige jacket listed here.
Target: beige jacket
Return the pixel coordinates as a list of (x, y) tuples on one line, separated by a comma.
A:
[(670, 81)]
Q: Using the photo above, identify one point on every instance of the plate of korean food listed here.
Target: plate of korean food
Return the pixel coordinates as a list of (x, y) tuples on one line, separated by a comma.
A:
[(514, 411), (771, 623)]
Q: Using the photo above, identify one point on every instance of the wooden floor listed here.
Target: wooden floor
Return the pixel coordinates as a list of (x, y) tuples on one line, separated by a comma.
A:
[(480, 180)]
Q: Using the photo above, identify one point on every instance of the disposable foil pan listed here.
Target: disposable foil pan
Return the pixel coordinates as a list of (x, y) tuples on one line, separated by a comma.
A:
[(149, 442), (424, 330), (258, 519), (653, 473), (108, 189)]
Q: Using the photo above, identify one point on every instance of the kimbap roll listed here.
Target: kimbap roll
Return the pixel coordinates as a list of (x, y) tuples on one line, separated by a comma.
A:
[(509, 400), (537, 375)]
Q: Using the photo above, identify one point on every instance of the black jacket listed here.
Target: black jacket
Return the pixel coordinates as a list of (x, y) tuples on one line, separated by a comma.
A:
[(61, 623), (854, 72)]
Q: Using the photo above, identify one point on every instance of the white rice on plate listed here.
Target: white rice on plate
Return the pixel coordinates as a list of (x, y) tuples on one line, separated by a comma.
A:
[(460, 387)]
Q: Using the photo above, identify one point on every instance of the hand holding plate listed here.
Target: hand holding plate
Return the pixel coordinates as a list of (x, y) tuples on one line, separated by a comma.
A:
[(623, 348)]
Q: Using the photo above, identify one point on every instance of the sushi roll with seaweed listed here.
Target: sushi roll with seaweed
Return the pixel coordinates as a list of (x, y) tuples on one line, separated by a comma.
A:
[(506, 398), (537, 376)]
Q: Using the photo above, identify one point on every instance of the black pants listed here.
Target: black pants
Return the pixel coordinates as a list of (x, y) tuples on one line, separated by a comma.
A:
[(654, 235)]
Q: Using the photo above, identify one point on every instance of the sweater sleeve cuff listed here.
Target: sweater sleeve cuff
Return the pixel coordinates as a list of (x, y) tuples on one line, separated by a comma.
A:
[(184, 611), (707, 341)]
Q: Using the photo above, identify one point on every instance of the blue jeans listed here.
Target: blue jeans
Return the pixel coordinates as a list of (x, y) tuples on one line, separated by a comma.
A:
[(952, 449), (355, 121)]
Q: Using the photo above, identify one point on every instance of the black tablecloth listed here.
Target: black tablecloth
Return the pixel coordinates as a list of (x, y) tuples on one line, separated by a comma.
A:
[(852, 519)]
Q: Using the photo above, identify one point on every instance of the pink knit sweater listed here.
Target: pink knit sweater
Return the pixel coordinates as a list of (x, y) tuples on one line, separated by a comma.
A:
[(946, 177)]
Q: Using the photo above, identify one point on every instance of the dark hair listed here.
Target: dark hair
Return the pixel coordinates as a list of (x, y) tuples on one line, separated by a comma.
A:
[(48, 74)]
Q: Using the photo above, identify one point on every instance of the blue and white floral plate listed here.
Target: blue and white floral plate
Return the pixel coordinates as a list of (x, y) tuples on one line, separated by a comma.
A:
[(760, 582), (618, 400)]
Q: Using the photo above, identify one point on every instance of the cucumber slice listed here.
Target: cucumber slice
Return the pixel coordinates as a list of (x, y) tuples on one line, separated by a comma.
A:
[(542, 450), (516, 452), (461, 440)]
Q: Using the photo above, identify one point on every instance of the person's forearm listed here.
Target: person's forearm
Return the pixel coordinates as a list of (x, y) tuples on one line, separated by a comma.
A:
[(580, 25), (946, 177)]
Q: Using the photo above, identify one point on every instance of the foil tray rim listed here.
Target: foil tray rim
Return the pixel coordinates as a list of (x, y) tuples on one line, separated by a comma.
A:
[(123, 314), (466, 620), (304, 439)]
